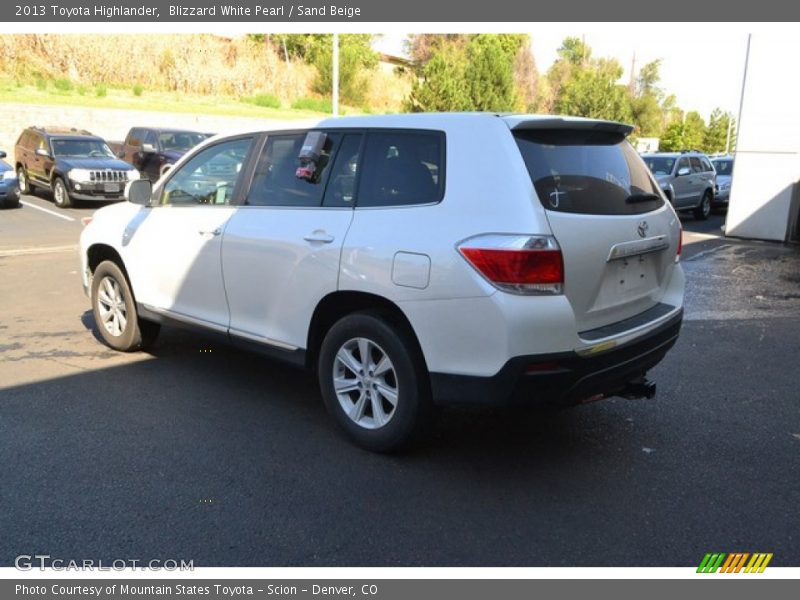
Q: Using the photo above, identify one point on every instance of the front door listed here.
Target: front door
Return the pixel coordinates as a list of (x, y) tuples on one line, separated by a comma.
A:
[(174, 248)]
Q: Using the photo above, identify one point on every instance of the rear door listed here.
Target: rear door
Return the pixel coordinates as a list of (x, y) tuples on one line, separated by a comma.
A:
[(281, 249), (617, 235)]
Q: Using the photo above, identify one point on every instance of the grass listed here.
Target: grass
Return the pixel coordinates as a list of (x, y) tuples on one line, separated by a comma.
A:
[(43, 93), (266, 101), (322, 105)]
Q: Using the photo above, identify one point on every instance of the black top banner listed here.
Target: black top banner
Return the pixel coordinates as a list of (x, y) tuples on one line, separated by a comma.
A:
[(382, 11)]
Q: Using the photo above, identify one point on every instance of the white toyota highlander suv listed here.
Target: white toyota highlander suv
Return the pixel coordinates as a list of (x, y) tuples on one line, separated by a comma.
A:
[(413, 261)]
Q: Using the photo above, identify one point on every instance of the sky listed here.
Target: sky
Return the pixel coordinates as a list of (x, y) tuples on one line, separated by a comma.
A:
[(703, 70)]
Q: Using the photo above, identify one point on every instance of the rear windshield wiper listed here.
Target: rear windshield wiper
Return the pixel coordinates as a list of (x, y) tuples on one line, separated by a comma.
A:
[(636, 198)]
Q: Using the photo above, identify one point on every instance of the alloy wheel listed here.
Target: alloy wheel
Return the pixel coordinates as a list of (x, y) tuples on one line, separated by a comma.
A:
[(365, 383), (111, 306)]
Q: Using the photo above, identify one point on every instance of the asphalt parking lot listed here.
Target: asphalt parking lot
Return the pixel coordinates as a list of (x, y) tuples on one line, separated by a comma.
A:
[(200, 452)]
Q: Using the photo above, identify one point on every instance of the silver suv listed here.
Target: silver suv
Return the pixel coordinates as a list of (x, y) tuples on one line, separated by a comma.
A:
[(687, 178), (412, 261)]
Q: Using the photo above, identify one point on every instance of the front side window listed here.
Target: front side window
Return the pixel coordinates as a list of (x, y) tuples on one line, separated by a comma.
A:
[(402, 168), (210, 177), (275, 182)]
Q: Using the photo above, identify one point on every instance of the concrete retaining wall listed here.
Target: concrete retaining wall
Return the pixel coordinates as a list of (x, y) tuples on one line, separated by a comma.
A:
[(113, 124)]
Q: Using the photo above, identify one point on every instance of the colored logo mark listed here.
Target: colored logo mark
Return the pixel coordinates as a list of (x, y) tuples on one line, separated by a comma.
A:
[(736, 562)]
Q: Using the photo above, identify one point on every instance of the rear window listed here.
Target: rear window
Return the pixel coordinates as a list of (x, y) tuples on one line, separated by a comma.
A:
[(589, 172)]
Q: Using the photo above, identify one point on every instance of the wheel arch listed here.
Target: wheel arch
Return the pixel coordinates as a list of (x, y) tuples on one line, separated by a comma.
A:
[(100, 252), (339, 304)]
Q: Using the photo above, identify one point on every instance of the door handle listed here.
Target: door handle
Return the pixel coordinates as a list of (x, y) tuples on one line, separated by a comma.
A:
[(320, 236), (216, 231)]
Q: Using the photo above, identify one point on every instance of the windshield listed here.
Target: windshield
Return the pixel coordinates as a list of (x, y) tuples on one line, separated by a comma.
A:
[(723, 167), (81, 148), (587, 172), (659, 165), (180, 141)]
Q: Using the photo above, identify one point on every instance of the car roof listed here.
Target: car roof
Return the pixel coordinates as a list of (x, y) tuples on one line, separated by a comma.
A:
[(171, 130), (435, 121), (73, 136), (672, 154)]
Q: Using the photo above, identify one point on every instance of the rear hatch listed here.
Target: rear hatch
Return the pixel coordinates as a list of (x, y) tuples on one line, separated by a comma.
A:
[(617, 235)]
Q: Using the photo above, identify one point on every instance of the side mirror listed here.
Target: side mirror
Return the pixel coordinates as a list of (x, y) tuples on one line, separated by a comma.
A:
[(42, 152), (148, 149), (2, 154), (683, 171), (139, 192)]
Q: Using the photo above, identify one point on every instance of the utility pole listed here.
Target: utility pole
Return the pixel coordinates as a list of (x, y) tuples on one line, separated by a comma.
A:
[(728, 136), (632, 84), (335, 74)]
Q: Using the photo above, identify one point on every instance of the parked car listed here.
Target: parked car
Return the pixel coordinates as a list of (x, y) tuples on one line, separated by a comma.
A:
[(724, 168), (688, 180), (413, 261), (9, 185), (153, 151), (72, 163)]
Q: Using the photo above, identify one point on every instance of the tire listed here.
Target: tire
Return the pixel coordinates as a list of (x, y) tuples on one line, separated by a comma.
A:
[(10, 202), (385, 408), (61, 194), (702, 211), (114, 311), (24, 184)]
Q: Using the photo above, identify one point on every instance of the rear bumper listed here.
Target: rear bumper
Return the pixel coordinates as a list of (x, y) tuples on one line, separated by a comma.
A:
[(562, 379)]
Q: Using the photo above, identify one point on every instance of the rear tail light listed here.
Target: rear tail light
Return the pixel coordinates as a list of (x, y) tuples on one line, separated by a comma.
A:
[(680, 242), (520, 264)]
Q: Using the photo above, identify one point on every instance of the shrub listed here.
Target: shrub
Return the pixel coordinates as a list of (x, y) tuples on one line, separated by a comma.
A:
[(322, 105), (63, 85), (266, 101), (138, 90), (101, 91), (82, 90), (41, 83)]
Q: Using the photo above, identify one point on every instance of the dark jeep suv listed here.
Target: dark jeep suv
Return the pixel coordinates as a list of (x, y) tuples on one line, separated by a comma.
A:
[(72, 163)]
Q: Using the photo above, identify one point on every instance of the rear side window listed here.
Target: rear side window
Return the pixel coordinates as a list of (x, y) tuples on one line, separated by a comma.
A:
[(589, 172), (402, 168), (697, 166)]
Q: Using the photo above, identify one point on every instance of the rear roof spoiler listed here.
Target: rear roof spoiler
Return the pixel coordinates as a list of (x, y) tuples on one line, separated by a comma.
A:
[(574, 124)]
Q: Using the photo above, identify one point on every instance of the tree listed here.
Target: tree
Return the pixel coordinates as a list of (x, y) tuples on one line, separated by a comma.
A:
[(356, 59), (442, 85), (466, 73), (716, 135), (574, 51), (684, 135), (594, 92), (490, 75)]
